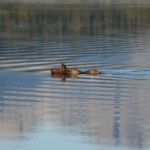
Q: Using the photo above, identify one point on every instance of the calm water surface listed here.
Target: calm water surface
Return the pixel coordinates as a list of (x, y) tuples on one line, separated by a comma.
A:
[(107, 111)]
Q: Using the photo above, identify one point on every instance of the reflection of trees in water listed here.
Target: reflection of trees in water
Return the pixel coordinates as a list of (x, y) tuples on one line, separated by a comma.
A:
[(52, 19)]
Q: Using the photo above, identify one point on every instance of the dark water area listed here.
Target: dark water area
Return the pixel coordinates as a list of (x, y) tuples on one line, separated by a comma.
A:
[(101, 112)]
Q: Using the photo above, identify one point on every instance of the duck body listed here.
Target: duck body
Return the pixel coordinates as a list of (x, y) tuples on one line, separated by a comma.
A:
[(92, 71), (73, 71)]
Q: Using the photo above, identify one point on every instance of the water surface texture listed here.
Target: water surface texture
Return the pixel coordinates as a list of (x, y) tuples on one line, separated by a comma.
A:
[(102, 112)]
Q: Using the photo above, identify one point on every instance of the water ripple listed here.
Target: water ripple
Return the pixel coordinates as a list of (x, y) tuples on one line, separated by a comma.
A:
[(80, 103)]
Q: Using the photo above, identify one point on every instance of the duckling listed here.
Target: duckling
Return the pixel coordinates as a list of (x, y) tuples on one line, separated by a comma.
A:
[(73, 71), (92, 71)]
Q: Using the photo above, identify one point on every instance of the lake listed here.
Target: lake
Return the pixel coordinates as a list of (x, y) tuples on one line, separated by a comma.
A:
[(92, 112)]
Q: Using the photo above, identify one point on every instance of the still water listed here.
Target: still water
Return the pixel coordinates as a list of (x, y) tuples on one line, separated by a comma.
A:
[(102, 112)]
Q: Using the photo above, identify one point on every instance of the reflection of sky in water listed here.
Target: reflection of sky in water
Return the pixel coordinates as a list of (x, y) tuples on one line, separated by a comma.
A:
[(49, 113), (48, 139)]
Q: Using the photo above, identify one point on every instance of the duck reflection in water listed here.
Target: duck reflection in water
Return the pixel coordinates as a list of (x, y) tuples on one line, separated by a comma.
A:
[(63, 72)]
